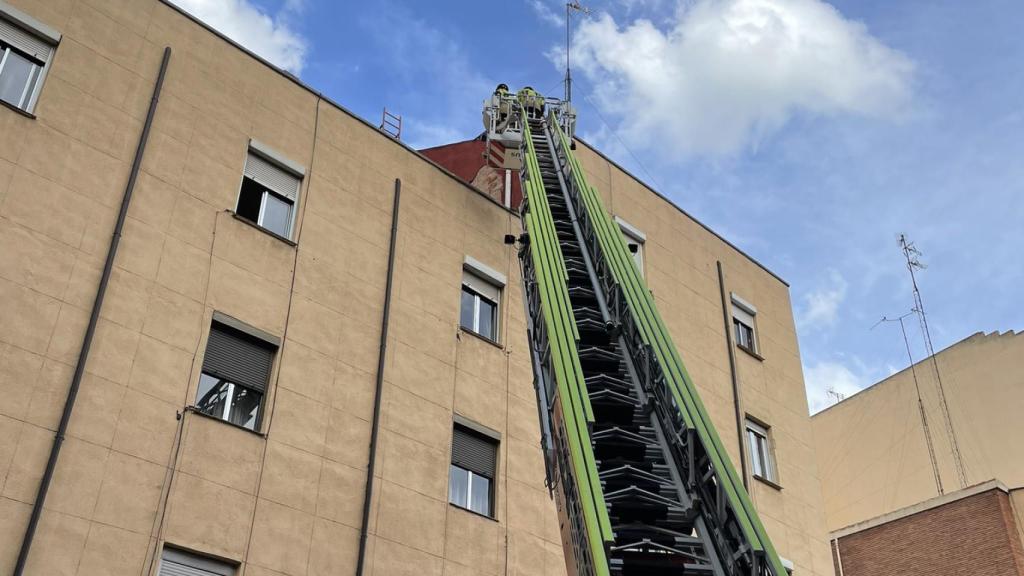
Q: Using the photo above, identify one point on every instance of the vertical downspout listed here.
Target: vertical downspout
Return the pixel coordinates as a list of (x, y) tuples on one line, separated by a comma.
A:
[(733, 372), (90, 331), (375, 425)]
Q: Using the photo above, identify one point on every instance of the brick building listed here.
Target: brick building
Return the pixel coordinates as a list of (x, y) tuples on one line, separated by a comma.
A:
[(972, 531), (224, 414)]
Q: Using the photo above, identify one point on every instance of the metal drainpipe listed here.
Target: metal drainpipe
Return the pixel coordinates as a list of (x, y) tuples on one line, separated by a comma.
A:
[(733, 372), (90, 331), (375, 425)]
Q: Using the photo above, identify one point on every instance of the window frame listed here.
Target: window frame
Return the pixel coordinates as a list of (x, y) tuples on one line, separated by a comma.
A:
[(744, 314), (634, 235), (493, 440), (468, 506), (762, 456), (257, 337), (475, 328), (477, 278), (275, 161), (41, 32)]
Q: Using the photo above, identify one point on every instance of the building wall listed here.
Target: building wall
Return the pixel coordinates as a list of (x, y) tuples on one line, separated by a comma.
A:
[(975, 535), (139, 470), (681, 257), (871, 447)]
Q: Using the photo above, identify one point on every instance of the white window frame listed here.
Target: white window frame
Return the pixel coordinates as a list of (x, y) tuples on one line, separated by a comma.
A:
[(469, 493), (635, 236), (745, 313), (762, 452), (292, 169), (477, 278), (47, 35)]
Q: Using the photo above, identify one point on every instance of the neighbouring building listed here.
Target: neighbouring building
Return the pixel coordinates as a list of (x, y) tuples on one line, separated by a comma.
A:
[(881, 489), (974, 531), (223, 419)]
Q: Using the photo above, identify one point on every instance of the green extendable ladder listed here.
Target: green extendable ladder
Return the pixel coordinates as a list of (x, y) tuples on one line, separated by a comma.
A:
[(643, 482)]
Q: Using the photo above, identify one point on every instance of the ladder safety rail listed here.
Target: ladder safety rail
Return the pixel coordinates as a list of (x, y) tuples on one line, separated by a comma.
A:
[(643, 482)]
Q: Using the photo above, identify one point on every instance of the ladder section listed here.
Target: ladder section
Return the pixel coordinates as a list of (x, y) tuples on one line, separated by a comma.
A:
[(652, 519), (663, 491)]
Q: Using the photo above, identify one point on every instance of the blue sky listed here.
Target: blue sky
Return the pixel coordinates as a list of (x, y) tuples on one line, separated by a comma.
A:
[(809, 134)]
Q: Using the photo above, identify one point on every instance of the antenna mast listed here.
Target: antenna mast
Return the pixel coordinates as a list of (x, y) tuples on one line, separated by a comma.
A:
[(920, 403), (570, 7), (912, 255)]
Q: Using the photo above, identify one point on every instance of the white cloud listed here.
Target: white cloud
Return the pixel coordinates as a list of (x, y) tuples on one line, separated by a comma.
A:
[(826, 376), (821, 306), (725, 74), (543, 9), (271, 37)]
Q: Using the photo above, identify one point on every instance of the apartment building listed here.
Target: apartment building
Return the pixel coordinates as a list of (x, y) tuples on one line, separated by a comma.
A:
[(933, 442), (223, 420)]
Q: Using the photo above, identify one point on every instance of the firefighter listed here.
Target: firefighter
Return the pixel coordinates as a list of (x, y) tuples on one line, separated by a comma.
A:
[(532, 102)]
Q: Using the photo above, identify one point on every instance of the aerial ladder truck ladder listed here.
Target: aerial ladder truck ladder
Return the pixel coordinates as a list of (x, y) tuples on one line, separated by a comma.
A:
[(643, 483)]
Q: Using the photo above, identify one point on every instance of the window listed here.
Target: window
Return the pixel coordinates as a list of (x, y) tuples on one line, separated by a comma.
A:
[(635, 240), (744, 326), (762, 462), (175, 562), (270, 188), (480, 305), (471, 475), (236, 369), (26, 48)]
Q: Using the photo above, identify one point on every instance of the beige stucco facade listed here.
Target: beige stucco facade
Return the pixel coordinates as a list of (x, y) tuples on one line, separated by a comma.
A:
[(140, 470), (871, 447)]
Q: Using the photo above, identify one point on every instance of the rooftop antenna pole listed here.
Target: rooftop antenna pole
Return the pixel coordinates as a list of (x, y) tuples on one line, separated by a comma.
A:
[(570, 7), (920, 402), (912, 255)]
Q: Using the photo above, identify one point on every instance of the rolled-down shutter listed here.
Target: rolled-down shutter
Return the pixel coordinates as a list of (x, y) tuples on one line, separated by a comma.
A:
[(474, 452), (25, 42), (272, 176), (238, 357), (481, 286), (176, 563)]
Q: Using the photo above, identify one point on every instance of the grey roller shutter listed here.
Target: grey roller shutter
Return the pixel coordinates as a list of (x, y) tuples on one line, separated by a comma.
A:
[(238, 357), (25, 42), (481, 286), (272, 176), (474, 452), (177, 563)]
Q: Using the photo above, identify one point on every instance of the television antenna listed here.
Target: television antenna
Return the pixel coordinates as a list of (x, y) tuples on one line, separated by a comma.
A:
[(570, 8), (913, 258), (920, 402)]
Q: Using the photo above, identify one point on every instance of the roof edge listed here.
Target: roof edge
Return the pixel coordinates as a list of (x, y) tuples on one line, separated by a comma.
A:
[(873, 385), (684, 212), (929, 504), (295, 79)]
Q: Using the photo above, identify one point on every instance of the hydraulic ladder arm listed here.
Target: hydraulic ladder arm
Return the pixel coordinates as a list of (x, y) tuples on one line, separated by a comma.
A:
[(643, 482)]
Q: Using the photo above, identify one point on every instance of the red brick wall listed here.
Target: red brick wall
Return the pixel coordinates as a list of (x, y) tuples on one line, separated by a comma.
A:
[(975, 536), (466, 160)]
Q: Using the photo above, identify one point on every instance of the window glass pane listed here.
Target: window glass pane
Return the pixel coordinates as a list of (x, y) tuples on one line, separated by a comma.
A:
[(466, 309), (458, 486), (488, 327), (17, 72), (481, 495), (245, 407), (277, 215), (212, 396), (755, 454), (249, 200)]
